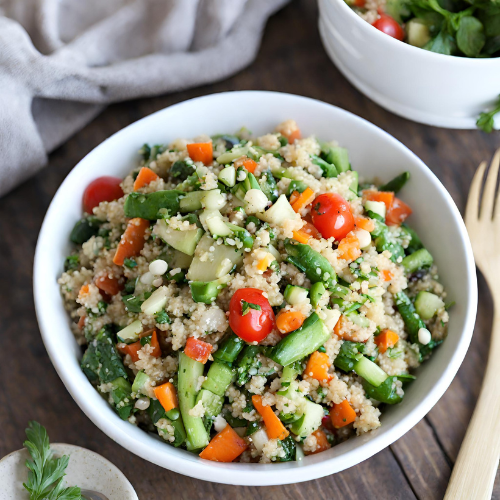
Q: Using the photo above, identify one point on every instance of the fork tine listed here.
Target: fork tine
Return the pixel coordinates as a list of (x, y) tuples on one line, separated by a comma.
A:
[(497, 203), (490, 188), (472, 209)]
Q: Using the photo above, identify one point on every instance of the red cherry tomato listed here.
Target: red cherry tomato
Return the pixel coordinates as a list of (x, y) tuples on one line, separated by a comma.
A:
[(250, 323), (397, 213), (332, 216), (390, 27), (101, 189)]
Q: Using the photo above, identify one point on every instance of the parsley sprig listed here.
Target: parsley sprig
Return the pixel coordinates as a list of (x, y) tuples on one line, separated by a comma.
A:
[(45, 476), (486, 120), (246, 306)]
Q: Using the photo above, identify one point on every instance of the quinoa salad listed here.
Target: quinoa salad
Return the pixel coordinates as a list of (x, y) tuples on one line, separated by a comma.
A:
[(250, 298)]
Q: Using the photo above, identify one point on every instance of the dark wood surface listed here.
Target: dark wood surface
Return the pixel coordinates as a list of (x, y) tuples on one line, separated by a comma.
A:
[(293, 60)]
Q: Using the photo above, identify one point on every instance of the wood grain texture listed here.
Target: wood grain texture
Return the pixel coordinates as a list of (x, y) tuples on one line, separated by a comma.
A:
[(293, 60)]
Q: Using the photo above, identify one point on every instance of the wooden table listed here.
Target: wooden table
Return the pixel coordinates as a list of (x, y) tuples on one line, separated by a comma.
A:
[(293, 60)]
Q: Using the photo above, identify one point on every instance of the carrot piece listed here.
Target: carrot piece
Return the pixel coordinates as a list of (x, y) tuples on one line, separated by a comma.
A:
[(306, 197), (144, 177), (132, 240), (309, 228), (317, 366), (364, 223), (398, 213), (263, 263), (247, 163), (81, 322), (274, 428), (131, 349), (386, 197), (225, 446), (294, 197), (342, 414), (84, 290), (349, 247), (322, 443), (387, 338), (108, 285), (296, 134), (201, 151), (167, 396), (156, 352), (387, 275), (289, 321), (197, 349), (301, 236)]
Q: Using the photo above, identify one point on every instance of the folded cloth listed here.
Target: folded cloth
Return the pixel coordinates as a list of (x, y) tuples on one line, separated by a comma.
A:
[(61, 61)]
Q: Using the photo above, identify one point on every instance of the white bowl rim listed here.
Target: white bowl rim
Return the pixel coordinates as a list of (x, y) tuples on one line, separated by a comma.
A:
[(415, 50), (259, 474)]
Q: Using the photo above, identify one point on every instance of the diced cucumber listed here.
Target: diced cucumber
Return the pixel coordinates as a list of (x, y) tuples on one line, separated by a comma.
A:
[(370, 371), (230, 349), (417, 260), (290, 372), (240, 233), (317, 291), (358, 319), (189, 373), (176, 259), (184, 241), (207, 292), (219, 377), (213, 200), (156, 302), (211, 402), (219, 260), (377, 207), (131, 332), (295, 294), (279, 212), (354, 183), (427, 304), (139, 382), (302, 342), (340, 158), (417, 32), (232, 155), (148, 206), (191, 202), (310, 420), (217, 227), (228, 176)]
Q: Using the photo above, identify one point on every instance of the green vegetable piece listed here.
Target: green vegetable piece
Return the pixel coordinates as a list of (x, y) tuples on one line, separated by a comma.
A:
[(290, 373), (470, 36), (385, 392), (157, 412), (290, 448), (415, 242), (417, 260), (340, 158), (310, 262), (189, 373), (182, 169), (427, 304), (234, 422), (298, 186), (268, 185), (240, 233), (251, 428), (132, 303), (486, 120), (310, 421), (139, 382), (316, 292), (121, 395), (71, 262), (248, 364), (328, 169), (148, 206), (84, 229), (110, 361), (219, 377), (206, 291), (443, 43), (348, 355), (386, 242), (370, 371), (397, 183), (302, 342), (229, 349)]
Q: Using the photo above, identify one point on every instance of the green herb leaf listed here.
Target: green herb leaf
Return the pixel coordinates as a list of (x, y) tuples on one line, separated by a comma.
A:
[(130, 263), (162, 318), (486, 120), (246, 306), (72, 262), (470, 36)]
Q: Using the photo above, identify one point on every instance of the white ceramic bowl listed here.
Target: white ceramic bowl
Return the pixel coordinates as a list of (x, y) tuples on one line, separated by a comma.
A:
[(426, 87), (374, 153)]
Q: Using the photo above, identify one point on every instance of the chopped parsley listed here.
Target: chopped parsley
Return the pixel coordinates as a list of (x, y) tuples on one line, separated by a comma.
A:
[(246, 306)]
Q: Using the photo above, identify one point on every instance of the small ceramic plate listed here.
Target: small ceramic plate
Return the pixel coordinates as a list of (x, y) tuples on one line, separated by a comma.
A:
[(86, 469)]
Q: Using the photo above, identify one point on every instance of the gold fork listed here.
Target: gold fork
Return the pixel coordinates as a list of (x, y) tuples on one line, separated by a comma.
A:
[(474, 473)]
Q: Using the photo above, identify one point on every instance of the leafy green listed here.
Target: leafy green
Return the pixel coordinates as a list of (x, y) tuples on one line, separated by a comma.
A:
[(246, 306), (45, 476), (182, 169), (289, 447), (72, 262), (470, 36), (486, 120)]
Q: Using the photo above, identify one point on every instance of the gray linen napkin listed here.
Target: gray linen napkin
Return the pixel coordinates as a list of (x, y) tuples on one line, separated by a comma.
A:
[(61, 61)]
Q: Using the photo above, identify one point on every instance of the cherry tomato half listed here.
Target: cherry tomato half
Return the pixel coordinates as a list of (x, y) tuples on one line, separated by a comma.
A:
[(390, 27), (251, 317), (332, 216), (101, 189)]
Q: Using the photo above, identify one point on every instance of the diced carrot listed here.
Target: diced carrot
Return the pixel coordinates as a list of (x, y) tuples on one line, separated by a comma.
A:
[(108, 285), (81, 322), (144, 177), (387, 275), (384, 196), (156, 352), (306, 197), (131, 349), (132, 240), (264, 262), (167, 396), (364, 223), (339, 326), (247, 163), (309, 228), (84, 290), (342, 414), (398, 213), (274, 427), (294, 197), (197, 349), (359, 3), (225, 446), (349, 247), (317, 366), (386, 339), (322, 443), (296, 134), (301, 236), (289, 321), (201, 151)]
